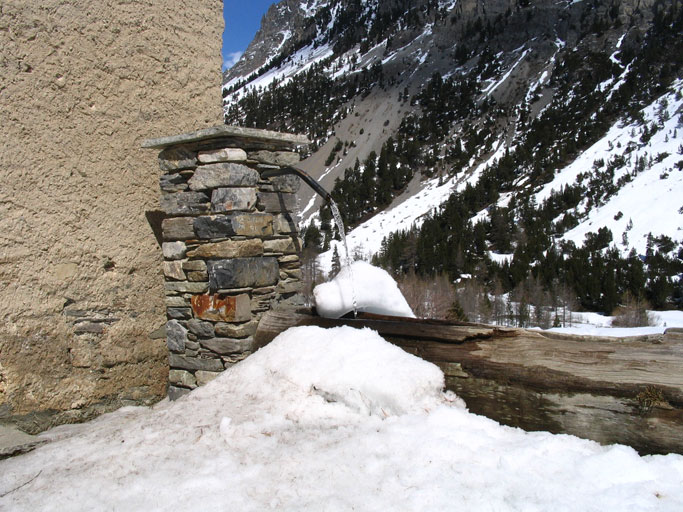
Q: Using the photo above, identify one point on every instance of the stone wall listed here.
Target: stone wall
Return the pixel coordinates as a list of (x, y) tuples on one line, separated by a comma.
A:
[(231, 247), (82, 83)]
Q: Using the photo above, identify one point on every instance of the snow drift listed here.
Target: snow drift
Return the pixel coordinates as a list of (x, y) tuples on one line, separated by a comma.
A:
[(332, 419)]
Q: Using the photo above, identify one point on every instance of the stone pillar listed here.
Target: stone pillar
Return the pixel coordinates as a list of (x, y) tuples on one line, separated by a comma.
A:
[(231, 247)]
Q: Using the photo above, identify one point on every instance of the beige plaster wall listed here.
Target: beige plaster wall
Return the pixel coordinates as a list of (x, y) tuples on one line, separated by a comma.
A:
[(82, 83)]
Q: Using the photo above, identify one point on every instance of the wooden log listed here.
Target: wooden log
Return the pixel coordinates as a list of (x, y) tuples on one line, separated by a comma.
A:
[(275, 322), (624, 390)]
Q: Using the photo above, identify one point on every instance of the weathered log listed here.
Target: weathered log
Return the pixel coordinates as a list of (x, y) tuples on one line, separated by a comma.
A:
[(277, 321), (612, 390)]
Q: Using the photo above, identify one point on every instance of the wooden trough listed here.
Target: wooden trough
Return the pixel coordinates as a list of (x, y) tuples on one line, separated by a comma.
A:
[(611, 390)]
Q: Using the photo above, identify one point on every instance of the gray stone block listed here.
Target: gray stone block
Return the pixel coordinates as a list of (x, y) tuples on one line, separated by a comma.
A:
[(287, 287), (198, 276), (177, 158), (284, 224), (176, 301), (205, 377), (203, 329), (191, 345), (233, 199), (283, 245), (176, 336), (182, 378), (229, 249), (295, 273), (173, 250), (252, 224), (194, 265), (287, 183), (276, 202), (261, 303), (174, 270), (172, 182), (267, 290), (226, 346), (174, 392), (243, 272), (222, 155), (177, 228), (242, 224), (185, 203), (194, 363), (179, 313), (186, 287), (236, 330), (213, 226), (223, 174), (275, 157)]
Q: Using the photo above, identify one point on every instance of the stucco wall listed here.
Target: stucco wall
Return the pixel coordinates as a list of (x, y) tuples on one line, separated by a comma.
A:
[(82, 83)]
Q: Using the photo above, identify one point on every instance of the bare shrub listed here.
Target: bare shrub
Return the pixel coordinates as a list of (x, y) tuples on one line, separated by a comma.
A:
[(633, 313), (473, 299), (428, 297)]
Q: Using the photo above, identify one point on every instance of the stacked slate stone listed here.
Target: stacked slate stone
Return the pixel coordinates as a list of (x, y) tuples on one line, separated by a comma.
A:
[(231, 248)]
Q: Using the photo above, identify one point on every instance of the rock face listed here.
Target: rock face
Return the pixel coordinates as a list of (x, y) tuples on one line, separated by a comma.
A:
[(82, 84), (286, 13)]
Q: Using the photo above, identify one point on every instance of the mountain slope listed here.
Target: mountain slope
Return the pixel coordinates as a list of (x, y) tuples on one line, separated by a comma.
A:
[(546, 120)]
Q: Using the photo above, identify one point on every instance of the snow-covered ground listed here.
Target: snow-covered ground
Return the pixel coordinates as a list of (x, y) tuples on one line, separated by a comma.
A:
[(600, 325), (332, 419), (653, 201)]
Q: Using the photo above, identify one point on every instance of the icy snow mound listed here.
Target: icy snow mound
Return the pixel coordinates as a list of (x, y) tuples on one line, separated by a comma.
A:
[(343, 365), (375, 292), (356, 368), (306, 423)]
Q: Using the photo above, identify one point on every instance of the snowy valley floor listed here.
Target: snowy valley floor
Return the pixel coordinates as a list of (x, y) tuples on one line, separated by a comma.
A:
[(333, 419)]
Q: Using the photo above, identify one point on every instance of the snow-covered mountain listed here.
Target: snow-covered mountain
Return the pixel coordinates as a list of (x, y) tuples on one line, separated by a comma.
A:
[(567, 109)]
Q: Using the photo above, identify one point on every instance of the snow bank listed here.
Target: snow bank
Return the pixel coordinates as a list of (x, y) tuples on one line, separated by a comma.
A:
[(374, 290), (329, 420), (651, 202), (596, 324)]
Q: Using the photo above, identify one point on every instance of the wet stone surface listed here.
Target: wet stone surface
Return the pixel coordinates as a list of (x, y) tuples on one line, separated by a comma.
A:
[(177, 158), (230, 244), (223, 175), (185, 203), (233, 199), (176, 336), (243, 272)]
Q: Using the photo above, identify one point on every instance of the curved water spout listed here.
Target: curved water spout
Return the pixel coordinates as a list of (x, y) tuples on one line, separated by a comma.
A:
[(271, 173)]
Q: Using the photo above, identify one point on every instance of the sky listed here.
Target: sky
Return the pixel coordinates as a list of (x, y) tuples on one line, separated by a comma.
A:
[(242, 20)]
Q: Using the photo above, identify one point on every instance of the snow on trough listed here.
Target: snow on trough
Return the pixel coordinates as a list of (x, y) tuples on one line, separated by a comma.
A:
[(372, 288), (333, 420)]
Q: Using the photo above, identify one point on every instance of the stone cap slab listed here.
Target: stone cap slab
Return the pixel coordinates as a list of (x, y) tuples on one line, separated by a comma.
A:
[(246, 136)]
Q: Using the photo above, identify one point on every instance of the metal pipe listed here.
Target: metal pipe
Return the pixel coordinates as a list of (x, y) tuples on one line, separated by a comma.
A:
[(271, 173)]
